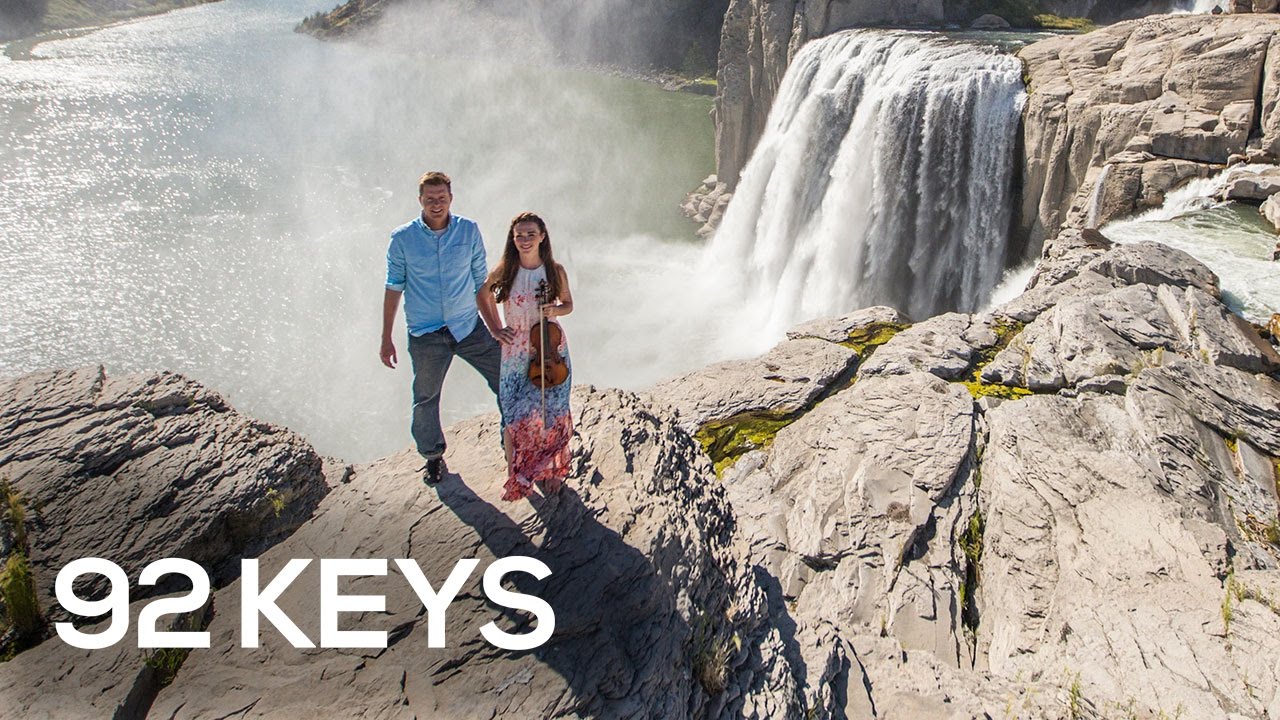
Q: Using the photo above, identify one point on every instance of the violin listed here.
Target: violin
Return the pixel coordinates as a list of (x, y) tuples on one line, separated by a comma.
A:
[(546, 367)]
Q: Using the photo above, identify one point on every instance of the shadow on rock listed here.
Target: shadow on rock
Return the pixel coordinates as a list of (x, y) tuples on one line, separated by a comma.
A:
[(617, 627)]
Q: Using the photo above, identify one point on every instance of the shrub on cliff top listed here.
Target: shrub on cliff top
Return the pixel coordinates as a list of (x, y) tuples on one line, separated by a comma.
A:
[(1028, 14)]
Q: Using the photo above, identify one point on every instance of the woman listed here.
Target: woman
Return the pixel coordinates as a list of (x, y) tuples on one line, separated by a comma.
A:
[(536, 424)]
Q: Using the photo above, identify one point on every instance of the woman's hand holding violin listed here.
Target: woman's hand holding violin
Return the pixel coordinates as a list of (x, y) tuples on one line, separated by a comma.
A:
[(550, 310)]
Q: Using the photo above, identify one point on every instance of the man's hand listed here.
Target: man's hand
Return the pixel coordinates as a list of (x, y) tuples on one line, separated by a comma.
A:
[(506, 335), (388, 353)]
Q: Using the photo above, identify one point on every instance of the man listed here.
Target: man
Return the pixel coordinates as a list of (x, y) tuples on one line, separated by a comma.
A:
[(437, 262)]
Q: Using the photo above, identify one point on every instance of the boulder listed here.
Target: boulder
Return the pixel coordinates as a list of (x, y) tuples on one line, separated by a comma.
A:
[(1153, 263), (1253, 186), (706, 205), (782, 382), (1270, 210), (1131, 182), (856, 324), (1074, 268), (135, 468), (1037, 299), (1122, 332), (990, 22), (946, 346)]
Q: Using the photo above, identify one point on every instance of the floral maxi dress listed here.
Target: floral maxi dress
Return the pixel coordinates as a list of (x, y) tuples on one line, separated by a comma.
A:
[(537, 439)]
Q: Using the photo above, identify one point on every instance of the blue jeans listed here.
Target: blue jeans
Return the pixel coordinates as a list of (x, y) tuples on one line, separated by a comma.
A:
[(431, 355)]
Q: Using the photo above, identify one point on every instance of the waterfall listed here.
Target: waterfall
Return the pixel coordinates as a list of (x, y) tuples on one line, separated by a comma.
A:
[(883, 177), (1199, 7)]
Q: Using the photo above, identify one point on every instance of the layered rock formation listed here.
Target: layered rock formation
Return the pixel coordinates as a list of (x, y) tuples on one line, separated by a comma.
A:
[(1090, 545), (651, 604), (1118, 117), (147, 466), (655, 614)]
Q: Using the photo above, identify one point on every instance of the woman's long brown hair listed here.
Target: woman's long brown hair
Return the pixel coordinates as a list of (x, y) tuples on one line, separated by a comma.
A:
[(506, 270)]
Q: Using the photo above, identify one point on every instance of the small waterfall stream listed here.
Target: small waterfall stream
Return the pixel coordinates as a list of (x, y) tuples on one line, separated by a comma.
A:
[(1231, 238), (883, 177)]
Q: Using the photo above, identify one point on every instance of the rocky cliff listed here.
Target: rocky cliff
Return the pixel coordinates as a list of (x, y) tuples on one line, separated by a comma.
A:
[(1066, 507), (656, 614), (1044, 511), (1116, 118)]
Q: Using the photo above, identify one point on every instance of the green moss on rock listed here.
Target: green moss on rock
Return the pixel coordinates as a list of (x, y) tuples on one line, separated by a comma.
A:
[(15, 510), (1005, 331), (22, 622), (970, 543), (1027, 14), (979, 390), (166, 662), (864, 340), (725, 441)]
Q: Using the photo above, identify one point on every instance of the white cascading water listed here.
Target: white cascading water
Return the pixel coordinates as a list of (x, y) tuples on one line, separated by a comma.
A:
[(883, 177), (1203, 6)]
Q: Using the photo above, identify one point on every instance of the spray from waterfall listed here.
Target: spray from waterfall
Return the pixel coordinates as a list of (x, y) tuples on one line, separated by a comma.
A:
[(883, 177)]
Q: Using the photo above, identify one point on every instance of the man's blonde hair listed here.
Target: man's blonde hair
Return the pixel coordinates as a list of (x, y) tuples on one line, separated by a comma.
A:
[(434, 178)]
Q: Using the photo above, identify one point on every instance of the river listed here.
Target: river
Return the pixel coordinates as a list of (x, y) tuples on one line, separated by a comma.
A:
[(210, 193)]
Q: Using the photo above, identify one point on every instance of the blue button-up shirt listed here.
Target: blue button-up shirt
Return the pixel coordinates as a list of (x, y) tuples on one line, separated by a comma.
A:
[(439, 274)]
